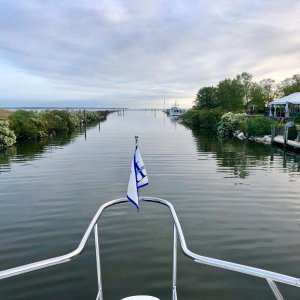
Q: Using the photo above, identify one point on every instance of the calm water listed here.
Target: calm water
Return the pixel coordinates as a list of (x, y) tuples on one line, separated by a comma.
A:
[(236, 201)]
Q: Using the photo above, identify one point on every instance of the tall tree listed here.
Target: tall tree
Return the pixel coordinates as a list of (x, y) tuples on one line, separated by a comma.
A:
[(290, 85), (257, 97), (230, 94), (268, 89), (207, 98), (245, 80)]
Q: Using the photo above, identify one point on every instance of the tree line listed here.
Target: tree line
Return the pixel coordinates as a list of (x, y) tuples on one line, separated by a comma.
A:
[(241, 92)]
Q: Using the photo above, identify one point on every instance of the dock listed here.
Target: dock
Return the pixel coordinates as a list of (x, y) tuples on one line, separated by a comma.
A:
[(289, 144)]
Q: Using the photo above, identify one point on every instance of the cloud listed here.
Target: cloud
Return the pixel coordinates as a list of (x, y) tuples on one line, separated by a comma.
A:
[(138, 52)]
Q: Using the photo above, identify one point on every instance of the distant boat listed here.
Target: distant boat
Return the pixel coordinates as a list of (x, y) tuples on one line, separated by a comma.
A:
[(175, 111)]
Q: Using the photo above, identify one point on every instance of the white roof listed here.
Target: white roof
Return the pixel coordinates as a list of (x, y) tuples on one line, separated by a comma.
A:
[(293, 99)]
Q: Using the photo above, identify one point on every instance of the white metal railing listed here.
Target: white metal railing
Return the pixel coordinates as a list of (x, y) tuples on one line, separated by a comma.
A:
[(271, 277)]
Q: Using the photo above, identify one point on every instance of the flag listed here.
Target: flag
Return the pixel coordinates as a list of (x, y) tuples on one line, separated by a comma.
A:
[(138, 177)]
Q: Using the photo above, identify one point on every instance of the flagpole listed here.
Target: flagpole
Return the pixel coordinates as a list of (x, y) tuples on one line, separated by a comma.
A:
[(138, 176)]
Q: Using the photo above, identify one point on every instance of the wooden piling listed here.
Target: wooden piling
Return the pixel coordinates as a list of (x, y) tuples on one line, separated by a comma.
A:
[(285, 135), (84, 116), (273, 129)]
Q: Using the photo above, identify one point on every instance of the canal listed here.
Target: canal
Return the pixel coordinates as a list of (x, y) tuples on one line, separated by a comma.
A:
[(236, 201)]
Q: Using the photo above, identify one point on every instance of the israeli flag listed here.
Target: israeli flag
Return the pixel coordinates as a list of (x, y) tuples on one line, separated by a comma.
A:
[(138, 178)]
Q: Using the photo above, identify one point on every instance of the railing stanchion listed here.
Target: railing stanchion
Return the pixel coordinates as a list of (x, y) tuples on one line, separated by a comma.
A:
[(174, 281), (271, 277), (100, 294), (275, 289)]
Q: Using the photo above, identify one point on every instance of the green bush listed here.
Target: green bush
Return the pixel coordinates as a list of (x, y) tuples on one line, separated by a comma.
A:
[(93, 116), (27, 124), (36, 125), (231, 122), (70, 118), (60, 120), (190, 117), (259, 126), (297, 119), (210, 118), (293, 133), (7, 137), (54, 121), (203, 118)]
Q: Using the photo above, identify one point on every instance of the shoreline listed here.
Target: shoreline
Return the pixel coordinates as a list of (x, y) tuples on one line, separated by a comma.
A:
[(23, 125)]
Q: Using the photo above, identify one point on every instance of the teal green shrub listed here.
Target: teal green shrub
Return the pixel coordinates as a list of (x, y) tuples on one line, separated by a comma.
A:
[(91, 116), (210, 118), (259, 126), (297, 119), (7, 136), (70, 118), (61, 120), (293, 133), (203, 118), (27, 124), (231, 122), (37, 125), (190, 117)]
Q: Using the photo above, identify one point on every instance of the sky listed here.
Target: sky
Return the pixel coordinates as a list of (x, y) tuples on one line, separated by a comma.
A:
[(136, 53)]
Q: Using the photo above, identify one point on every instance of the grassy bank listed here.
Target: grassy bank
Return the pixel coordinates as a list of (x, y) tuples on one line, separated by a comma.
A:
[(34, 125), (4, 114), (226, 124)]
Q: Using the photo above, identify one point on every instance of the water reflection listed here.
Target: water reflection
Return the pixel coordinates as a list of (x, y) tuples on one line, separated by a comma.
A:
[(5, 157), (240, 157), (290, 163), (30, 150), (174, 120)]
